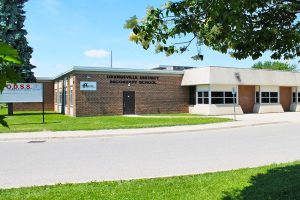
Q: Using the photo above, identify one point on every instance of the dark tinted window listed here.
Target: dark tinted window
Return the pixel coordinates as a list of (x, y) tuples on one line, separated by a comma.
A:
[(217, 94), (192, 95), (265, 100), (294, 97), (257, 97), (274, 94), (217, 100), (273, 100), (265, 94)]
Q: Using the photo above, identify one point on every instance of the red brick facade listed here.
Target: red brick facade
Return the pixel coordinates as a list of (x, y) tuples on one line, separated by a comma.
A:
[(247, 98), (49, 100), (286, 98), (165, 96)]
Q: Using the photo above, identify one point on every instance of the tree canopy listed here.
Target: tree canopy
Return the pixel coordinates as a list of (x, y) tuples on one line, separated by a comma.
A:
[(12, 32), (8, 57), (243, 28), (275, 66)]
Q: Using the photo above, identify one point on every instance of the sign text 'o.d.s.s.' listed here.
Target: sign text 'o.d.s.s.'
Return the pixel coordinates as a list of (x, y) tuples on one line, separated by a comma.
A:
[(22, 92), (88, 86)]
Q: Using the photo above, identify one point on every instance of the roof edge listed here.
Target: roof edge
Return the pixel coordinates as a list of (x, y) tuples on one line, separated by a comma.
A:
[(117, 70)]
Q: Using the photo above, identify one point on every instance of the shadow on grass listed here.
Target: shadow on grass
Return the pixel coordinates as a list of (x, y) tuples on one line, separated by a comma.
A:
[(31, 114), (36, 123), (279, 183)]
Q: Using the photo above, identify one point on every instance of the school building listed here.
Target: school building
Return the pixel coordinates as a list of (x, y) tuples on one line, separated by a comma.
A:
[(89, 91)]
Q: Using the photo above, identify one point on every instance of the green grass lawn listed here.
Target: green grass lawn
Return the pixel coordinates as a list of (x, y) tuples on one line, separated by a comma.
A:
[(31, 121), (274, 182)]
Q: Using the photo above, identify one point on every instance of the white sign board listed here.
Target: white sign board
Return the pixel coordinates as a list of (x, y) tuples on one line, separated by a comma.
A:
[(88, 86), (22, 93)]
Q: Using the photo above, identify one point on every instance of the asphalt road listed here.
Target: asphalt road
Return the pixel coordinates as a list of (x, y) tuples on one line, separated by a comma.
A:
[(145, 156)]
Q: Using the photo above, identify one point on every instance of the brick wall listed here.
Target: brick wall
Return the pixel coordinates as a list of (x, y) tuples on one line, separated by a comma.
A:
[(286, 98), (49, 101), (166, 96), (247, 98)]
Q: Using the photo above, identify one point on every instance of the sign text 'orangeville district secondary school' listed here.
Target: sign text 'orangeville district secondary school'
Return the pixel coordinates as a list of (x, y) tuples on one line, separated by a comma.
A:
[(132, 79)]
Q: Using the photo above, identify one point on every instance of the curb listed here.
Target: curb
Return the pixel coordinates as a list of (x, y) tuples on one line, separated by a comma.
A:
[(140, 132)]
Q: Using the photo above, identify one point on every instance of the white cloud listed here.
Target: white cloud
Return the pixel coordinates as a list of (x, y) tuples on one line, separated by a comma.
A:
[(96, 53), (52, 6), (34, 62)]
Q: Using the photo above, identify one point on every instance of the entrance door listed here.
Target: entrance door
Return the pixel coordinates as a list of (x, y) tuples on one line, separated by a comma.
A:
[(247, 98), (128, 102), (286, 98)]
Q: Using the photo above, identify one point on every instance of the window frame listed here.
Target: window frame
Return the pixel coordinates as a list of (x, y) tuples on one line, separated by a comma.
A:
[(65, 96), (71, 96), (257, 97), (294, 97), (224, 98), (56, 96), (204, 98), (60, 97), (269, 96)]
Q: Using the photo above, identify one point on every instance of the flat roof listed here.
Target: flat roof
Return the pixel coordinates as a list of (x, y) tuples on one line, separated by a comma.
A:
[(239, 76), (118, 70), (44, 78)]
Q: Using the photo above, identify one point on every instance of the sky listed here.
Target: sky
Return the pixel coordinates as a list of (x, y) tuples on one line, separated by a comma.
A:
[(67, 33)]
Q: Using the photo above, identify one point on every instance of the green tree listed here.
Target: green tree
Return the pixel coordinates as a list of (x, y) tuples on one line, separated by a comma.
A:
[(275, 66), (8, 57), (243, 28), (12, 32)]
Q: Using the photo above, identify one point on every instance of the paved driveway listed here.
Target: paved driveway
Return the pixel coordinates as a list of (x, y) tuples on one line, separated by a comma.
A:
[(145, 156)]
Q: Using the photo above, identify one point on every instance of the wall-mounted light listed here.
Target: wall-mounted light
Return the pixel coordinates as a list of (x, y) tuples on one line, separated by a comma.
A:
[(87, 76), (129, 85), (238, 76)]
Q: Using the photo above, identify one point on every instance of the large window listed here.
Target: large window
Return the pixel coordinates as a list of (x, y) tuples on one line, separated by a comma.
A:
[(257, 96), (203, 97), (71, 96), (65, 97), (222, 98), (56, 97), (60, 97), (192, 95), (269, 97), (294, 99)]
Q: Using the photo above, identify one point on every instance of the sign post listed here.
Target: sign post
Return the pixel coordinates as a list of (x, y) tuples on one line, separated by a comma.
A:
[(234, 102), (43, 103)]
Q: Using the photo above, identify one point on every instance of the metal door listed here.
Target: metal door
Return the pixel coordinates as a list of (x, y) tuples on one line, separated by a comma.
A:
[(128, 102)]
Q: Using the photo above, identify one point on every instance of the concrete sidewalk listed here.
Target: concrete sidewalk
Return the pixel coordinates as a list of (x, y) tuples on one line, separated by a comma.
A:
[(242, 121)]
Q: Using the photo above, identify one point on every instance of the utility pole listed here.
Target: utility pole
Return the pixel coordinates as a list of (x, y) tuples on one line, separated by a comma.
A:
[(111, 57)]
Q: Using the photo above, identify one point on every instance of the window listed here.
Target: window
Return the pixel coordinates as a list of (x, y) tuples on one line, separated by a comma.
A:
[(203, 98), (56, 97), (257, 96), (298, 97), (71, 96), (294, 97), (65, 96), (192, 95), (273, 97), (60, 97), (269, 97), (230, 98), (222, 98)]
